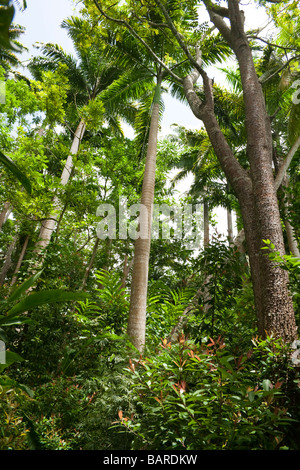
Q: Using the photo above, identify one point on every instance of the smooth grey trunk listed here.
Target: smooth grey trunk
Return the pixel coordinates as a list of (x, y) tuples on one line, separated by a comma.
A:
[(290, 232), (206, 224), (136, 329), (292, 241), (4, 213), (48, 225), (281, 183), (229, 225), (20, 260)]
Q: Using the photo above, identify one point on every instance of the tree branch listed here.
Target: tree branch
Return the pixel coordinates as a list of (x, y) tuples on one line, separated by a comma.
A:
[(272, 44), (178, 36), (218, 21), (286, 163), (278, 70), (138, 37)]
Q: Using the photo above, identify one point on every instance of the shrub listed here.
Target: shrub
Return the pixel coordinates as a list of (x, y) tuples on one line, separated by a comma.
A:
[(202, 397)]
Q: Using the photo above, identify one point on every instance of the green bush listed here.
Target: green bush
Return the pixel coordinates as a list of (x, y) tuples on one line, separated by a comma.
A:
[(202, 397), (13, 428)]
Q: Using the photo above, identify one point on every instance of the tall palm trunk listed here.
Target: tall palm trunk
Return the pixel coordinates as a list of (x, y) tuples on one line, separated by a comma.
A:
[(136, 329), (48, 225), (229, 225), (206, 224)]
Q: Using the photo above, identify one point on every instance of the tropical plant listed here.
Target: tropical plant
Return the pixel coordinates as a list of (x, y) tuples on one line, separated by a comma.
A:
[(164, 60), (191, 397), (88, 79)]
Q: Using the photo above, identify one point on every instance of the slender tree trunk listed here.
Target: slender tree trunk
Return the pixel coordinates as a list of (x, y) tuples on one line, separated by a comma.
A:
[(126, 269), (90, 265), (138, 300), (206, 224), (4, 213), (292, 241), (60, 220), (281, 184), (7, 263), (20, 260), (48, 225), (229, 225), (107, 259)]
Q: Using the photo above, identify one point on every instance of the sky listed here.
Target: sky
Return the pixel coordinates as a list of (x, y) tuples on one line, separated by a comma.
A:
[(42, 20)]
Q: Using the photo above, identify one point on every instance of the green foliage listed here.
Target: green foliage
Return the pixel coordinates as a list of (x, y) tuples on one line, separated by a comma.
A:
[(203, 398), (92, 114), (13, 168), (7, 15), (13, 429), (226, 304), (165, 307), (52, 93)]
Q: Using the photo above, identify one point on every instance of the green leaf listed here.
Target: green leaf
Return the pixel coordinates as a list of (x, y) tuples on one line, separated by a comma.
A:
[(266, 385), (13, 168), (24, 287), (7, 382), (3, 336), (15, 321), (10, 358), (45, 297), (7, 16)]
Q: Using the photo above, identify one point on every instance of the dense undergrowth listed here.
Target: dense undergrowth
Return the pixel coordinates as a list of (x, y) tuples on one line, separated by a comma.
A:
[(77, 383)]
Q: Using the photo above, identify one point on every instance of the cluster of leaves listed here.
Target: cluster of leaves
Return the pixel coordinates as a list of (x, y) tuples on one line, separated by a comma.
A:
[(202, 397), (13, 429), (225, 303)]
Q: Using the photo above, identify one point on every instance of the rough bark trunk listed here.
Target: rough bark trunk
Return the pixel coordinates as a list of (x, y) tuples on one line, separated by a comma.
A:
[(256, 193), (277, 314), (138, 299)]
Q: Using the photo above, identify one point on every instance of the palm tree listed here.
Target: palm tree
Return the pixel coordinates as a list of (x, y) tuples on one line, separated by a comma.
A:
[(160, 60), (148, 87), (89, 75), (9, 34)]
